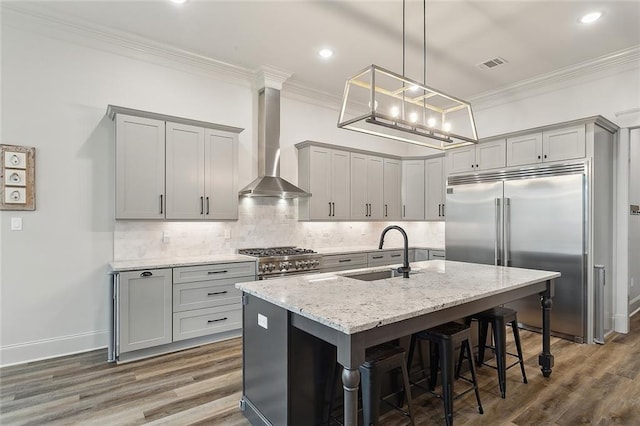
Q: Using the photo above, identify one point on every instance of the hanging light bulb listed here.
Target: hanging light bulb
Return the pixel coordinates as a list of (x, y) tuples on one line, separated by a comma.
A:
[(446, 127), (431, 122), (413, 117), (394, 111)]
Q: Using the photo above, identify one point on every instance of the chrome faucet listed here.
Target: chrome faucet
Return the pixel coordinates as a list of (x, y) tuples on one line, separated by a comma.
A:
[(405, 268)]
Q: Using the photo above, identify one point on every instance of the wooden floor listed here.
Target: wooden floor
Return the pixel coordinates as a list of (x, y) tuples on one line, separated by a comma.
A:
[(590, 384)]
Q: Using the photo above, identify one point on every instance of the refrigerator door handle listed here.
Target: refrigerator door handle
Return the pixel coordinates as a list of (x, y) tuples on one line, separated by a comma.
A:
[(497, 249), (507, 231)]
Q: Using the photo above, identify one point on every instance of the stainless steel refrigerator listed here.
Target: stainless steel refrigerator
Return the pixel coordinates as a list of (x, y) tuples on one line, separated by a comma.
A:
[(530, 218)]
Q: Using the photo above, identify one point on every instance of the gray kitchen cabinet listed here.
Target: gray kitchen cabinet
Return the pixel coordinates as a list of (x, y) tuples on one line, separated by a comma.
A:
[(483, 156), (324, 172), (197, 160), (413, 190), (564, 143), (434, 187), (342, 262), (140, 172), (437, 254), (421, 255), (367, 187), (143, 309), (385, 257), (205, 300), (202, 175), (392, 194)]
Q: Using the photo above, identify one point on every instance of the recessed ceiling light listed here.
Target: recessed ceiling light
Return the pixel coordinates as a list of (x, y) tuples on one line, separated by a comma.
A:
[(325, 53), (590, 17)]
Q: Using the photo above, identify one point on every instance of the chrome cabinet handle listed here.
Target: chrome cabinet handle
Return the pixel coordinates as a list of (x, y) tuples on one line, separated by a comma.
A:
[(507, 231), (497, 258)]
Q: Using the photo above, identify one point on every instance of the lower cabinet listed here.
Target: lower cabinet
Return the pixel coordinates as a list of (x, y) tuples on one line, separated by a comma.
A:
[(387, 257), (342, 262), (158, 311), (144, 309)]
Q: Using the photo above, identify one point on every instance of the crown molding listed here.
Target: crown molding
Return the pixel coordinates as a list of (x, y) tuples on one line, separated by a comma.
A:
[(557, 79), (130, 45), (30, 16)]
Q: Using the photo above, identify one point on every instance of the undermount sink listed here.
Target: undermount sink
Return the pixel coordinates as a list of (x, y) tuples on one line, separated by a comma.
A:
[(376, 275)]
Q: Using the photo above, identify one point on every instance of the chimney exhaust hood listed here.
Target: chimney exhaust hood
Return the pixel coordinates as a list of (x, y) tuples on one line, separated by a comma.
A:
[(269, 183)]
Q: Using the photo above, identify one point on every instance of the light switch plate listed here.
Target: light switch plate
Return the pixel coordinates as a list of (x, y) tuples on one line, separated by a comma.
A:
[(16, 224), (263, 321)]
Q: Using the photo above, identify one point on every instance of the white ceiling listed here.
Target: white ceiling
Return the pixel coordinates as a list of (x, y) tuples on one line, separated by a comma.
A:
[(535, 37)]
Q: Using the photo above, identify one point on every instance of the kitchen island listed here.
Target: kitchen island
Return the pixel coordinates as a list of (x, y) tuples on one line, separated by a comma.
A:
[(285, 320)]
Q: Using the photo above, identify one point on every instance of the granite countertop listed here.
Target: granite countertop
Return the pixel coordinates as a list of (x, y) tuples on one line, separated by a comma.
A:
[(132, 265), (360, 249), (351, 306)]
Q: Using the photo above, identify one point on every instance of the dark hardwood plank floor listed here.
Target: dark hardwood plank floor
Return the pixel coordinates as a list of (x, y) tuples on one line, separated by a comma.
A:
[(590, 384)]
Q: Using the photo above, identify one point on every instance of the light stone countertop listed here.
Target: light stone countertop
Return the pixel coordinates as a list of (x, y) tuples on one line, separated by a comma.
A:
[(136, 264), (351, 306), (360, 249)]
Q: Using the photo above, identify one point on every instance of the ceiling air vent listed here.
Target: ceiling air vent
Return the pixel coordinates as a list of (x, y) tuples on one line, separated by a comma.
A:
[(492, 63)]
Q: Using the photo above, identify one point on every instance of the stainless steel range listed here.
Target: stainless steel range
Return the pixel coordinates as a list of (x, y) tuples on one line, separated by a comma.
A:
[(284, 261)]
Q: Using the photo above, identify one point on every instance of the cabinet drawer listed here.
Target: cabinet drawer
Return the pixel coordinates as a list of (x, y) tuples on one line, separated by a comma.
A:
[(189, 274), (389, 257), (338, 262), (205, 294), (436, 254), (202, 322)]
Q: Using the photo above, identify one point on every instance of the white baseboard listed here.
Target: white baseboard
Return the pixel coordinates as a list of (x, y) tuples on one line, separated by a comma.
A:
[(51, 348), (621, 324)]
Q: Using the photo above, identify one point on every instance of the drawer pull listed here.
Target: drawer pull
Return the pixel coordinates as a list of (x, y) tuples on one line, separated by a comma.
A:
[(146, 274), (217, 292), (217, 272), (216, 320), (395, 255), (344, 260), (377, 257)]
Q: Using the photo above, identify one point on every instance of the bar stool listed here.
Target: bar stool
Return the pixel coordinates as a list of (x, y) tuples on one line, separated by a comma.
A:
[(379, 360), (442, 341), (498, 318)]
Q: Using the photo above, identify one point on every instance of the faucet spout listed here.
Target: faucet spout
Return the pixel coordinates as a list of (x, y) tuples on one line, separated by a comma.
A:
[(404, 270)]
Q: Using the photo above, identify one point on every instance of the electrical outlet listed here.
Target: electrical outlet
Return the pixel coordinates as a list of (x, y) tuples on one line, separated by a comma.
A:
[(227, 234), (16, 224), (263, 321), (166, 237)]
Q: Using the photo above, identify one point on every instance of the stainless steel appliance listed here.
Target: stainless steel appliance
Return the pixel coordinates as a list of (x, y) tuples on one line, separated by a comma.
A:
[(530, 218), (284, 261)]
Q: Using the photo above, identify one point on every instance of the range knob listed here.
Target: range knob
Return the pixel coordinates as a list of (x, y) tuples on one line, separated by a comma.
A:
[(271, 267), (284, 266), (264, 267), (298, 264)]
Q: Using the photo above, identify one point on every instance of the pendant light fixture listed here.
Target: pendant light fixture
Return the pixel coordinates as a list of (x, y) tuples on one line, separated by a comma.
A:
[(383, 103)]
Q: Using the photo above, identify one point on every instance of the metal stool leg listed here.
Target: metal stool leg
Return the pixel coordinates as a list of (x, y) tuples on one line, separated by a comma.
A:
[(501, 356), (516, 336)]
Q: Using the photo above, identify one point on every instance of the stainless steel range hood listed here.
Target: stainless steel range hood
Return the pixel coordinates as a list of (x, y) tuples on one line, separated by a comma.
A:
[(269, 183)]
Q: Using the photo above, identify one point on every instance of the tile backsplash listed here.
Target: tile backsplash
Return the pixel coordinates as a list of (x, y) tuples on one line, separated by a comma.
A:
[(262, 222)]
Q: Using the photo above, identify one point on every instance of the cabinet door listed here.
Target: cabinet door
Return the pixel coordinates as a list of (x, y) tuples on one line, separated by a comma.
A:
[(491, 155), (375, 186), (359, 203), (320, 183), (461, 160), (340, 184), (434, 196), (185, 171), (526, 149), (564, 144), (144, 309), (392, 189), (413, 190), (220, 175), (140, 154)]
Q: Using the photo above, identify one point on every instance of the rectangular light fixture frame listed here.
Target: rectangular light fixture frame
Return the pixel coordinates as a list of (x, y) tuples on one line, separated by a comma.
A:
[(382, 103)]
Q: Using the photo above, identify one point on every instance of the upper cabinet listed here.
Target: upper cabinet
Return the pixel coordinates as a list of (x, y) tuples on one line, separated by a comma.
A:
[(201, 173), (197, 160), (434, 188), (140, 155), (392, 194), (413, 189), (367, 187), (552, 145), (324, 172), (483, 156)]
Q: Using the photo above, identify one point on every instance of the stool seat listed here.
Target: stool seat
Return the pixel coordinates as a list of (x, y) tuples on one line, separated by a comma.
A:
[(499, 317), (379, 360), (442, 341)]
